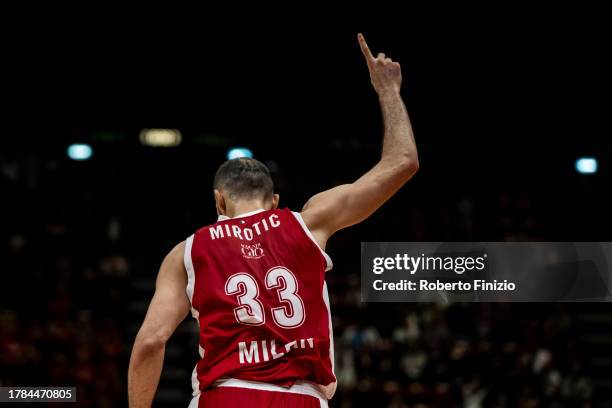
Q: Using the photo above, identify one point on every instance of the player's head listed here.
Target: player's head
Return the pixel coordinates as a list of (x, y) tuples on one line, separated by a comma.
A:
[(241, 181)]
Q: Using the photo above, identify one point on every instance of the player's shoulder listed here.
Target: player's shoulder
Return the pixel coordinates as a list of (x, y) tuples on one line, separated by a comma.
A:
[(177, 251), (174, 258)]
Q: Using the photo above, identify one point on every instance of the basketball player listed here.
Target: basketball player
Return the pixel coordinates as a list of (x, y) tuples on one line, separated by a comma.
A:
[(255, 283)]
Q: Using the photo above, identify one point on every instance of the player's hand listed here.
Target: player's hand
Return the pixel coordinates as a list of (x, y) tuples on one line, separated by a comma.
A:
[(385, 74)]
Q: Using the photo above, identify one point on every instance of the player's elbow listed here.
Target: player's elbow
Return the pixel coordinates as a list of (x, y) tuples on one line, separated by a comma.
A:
[(409, 165), (151, 342)]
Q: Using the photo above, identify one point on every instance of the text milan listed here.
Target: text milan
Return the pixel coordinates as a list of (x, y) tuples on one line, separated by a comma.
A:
[(265, 350)]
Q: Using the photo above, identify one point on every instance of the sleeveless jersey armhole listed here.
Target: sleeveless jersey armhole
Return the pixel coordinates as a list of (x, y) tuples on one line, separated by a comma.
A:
[(328, 261), (190, 273)]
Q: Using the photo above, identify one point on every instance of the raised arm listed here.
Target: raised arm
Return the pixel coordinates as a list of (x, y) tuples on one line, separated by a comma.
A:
[(349, 204), (167, 310)]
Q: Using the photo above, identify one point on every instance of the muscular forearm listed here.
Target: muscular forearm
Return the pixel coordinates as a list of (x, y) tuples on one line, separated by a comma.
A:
[(398, 141), (143, 375), (348, 204)]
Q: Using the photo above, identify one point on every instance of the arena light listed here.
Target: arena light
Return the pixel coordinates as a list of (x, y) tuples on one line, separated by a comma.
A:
[(79, 151), (586, 165), (160, 137), (237, 152)]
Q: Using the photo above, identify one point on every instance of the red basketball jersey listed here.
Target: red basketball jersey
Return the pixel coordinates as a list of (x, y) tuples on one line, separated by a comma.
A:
[(257, 289)]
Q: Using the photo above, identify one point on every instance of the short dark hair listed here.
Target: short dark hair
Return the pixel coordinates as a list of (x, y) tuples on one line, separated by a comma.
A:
[(244, 178)]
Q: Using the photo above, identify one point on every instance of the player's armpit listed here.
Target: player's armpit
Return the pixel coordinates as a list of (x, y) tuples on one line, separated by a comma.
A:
[(349, 204)]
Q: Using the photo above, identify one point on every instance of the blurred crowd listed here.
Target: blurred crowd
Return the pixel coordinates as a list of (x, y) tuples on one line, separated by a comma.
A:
[(63, 324), (66, 288), (463, 355)]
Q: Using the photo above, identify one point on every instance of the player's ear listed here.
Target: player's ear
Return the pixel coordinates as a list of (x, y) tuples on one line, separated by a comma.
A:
[(219, 202), (275, 199)]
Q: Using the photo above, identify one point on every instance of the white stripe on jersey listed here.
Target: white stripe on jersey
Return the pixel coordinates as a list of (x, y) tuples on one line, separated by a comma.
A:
[(189, 267), (328, 260)]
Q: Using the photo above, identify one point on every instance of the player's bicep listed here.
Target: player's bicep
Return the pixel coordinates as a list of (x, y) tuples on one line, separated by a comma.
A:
[(170, 304), (349, 204)]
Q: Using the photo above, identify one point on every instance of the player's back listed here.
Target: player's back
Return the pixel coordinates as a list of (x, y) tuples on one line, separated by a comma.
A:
[(256, 285)]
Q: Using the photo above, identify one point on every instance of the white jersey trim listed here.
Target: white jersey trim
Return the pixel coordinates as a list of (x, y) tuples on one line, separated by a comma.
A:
[(300, 387), (330, 389), (189, 268), (328, 261), (195, 382), (225, 217)]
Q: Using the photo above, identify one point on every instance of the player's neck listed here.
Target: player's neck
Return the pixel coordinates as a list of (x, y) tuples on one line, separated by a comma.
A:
[(243, 207)]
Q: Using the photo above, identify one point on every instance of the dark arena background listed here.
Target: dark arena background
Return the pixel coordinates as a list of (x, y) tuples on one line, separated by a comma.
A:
[(503, 113)]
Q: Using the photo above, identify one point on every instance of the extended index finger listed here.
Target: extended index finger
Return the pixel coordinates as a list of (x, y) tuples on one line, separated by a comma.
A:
[(364, 48)]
